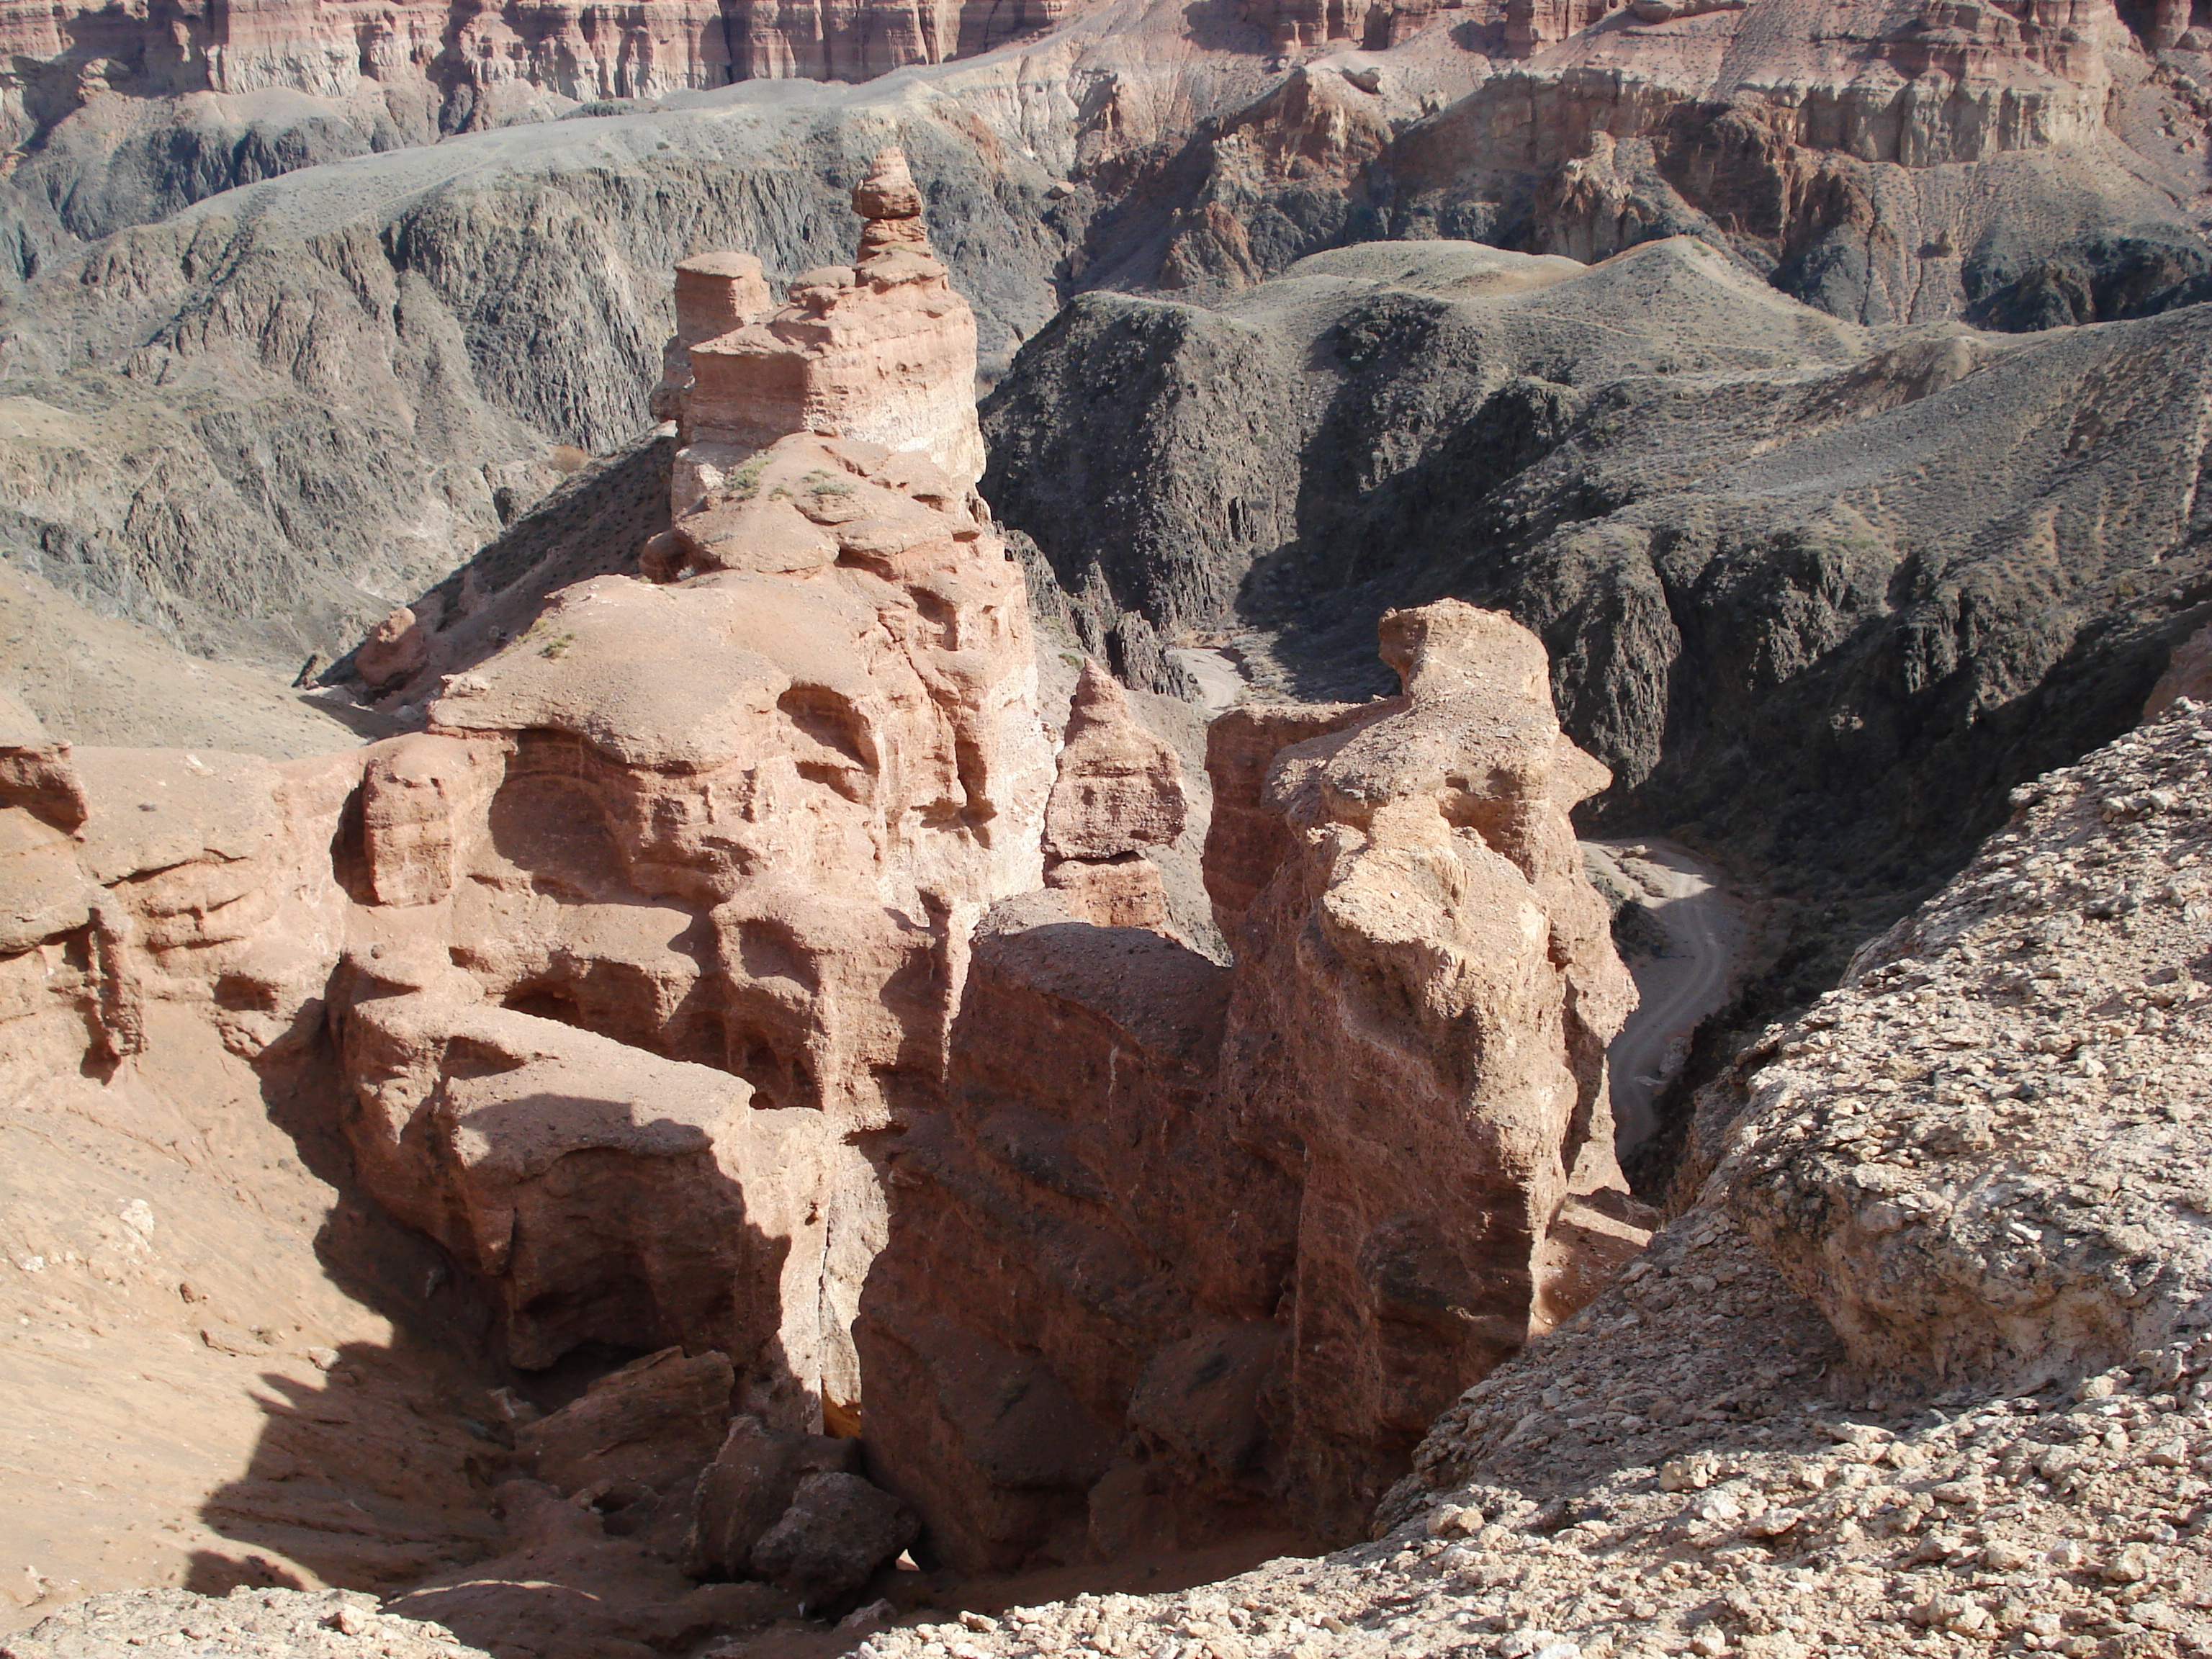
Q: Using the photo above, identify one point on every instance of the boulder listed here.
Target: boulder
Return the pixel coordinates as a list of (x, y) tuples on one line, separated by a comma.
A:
[(398, 646), (748, 1487), (652, 1424), (838, 1530)]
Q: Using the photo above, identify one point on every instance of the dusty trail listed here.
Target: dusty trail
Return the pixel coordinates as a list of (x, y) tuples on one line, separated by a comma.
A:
[(1220, 681), (1704, 924)]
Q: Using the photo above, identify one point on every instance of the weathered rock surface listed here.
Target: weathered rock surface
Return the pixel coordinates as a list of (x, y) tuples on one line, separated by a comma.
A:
[(1119, 789), (838, 1530), (247, 1624), (1694, 1463), (882, 351), (679, 889), (331, 432), (1119, 792), (2056, 1229), (324, 376), (1069, 1349), (596, 987), (748, 1487)]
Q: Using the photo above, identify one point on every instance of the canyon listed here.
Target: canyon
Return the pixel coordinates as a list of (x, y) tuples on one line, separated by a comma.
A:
[(929, 950), (728, 963)]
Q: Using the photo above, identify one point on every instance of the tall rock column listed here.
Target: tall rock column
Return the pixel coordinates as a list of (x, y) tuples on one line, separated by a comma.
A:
[(882, 350), (1423, 991), (1120, 789), (1187, 1249), (671, 908)]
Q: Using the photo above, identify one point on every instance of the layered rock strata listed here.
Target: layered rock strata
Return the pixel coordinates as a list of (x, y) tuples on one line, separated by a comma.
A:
[(1191, 1246), (1983, 1159), (669, 904), (1119, 790), (882, 351)]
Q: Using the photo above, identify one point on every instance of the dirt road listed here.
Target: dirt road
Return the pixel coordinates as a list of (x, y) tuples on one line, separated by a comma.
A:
[(1704, 932)]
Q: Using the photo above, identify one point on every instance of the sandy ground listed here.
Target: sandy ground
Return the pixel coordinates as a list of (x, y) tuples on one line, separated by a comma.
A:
[(1706, 929), (96, 680)]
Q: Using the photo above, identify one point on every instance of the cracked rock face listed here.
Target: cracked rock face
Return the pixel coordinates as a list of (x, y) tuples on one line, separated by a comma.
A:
[(670, 902), (1188, 1244), (1978, 1158), (1983, 1155), (1424, 992), (882, 352)]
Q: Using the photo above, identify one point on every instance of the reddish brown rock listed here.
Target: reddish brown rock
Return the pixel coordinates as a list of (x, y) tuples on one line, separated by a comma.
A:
[(423, 800), (1254, 1228), (396, 647), (36, 774), (746, 1489), (1126, 891), (715, 293), (1120, 789), (883, 351), (838, 1530), (654, 1423), (1425, 987), (1057, 1224)]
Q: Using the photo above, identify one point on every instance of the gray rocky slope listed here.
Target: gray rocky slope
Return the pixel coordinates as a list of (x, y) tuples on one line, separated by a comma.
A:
[(259, 423), (1816, 592), (272, 363)]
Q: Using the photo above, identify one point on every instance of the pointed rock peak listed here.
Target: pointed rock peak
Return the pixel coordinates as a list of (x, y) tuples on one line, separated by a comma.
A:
[(888, 199), (1098, 699), (1121, 787), (888, 191)]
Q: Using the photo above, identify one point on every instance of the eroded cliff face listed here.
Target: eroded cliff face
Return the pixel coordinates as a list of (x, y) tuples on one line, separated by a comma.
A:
[(1729, 517), (669, 903), (1192, 1247), (728, 974), (320, 372)]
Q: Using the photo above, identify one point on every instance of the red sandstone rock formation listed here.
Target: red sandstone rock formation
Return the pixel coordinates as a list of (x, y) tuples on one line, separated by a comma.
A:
[(501, 56), (882, 350), (1120, 790), (1425, 990), (671, 902), (1190, 1245)]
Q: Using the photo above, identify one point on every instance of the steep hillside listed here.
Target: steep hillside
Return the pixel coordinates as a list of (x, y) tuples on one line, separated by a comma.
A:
[(256, 417), (1816, 593)]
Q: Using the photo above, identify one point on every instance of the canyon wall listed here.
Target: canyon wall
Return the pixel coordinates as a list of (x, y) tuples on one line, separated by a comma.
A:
[(339, 382), (724, 974), (1190, 1248), (666, 907)]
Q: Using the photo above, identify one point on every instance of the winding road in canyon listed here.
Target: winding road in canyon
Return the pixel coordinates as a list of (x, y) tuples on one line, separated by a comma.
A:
[(1689, 898)]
